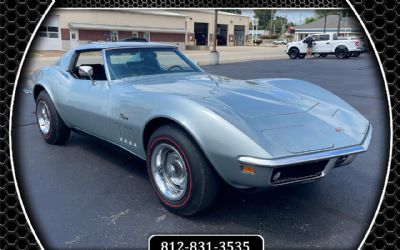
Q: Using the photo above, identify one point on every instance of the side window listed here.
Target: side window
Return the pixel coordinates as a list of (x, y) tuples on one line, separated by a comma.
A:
[(324, 37), (95, 60)]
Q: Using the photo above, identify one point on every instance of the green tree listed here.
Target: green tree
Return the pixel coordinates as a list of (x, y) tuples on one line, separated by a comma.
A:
[(264, 18), (310, 19), (279, 23)]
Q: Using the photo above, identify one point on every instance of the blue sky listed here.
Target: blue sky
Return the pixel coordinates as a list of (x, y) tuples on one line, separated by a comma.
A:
[(297, 16)]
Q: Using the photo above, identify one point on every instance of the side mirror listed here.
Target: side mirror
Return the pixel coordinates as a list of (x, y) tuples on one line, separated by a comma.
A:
[(87, 71)]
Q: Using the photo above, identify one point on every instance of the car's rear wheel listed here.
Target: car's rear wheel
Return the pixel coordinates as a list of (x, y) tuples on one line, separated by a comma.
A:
[(341, 52), (293, 53), (51, 126), (181, 175)]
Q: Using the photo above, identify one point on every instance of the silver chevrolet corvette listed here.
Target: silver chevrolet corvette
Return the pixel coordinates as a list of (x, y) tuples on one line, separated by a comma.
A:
[(195, 129)]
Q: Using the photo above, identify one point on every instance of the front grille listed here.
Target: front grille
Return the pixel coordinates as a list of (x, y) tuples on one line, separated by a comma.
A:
[(298, 172)]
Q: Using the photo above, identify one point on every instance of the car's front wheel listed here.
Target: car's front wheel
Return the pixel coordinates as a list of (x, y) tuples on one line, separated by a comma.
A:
[(52, 127), (293, 53), (181, 175)]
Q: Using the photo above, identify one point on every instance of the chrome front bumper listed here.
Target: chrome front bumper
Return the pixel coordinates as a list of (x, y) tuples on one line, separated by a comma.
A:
[(331, 159), (309, 157)]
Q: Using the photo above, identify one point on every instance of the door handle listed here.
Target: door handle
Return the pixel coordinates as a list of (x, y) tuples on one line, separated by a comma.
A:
[(327, 43)]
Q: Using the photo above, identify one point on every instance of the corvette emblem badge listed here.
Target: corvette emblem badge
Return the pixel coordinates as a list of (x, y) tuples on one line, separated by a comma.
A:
[(339, 129)]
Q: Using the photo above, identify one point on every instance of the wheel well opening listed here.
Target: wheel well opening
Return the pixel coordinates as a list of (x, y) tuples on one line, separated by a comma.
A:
[(340, 47), (153, 125), (36, 91)]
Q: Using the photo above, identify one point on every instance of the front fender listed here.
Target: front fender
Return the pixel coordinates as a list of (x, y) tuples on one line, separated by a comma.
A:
[(47, 78), (220, 141)]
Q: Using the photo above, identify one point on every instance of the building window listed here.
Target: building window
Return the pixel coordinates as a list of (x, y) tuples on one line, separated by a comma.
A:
[(48, 31)]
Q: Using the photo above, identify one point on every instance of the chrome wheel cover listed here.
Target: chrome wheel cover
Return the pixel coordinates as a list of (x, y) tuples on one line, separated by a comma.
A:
[(43, 117), (169, 173)]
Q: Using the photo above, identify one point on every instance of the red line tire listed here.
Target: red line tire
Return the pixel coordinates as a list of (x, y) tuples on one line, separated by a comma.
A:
[(58, 132), (202, 182)]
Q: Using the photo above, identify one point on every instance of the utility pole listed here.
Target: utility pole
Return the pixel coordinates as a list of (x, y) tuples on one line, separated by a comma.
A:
[(325, 23), (214, 55), (256, 31), (215, 31), (339, 19), (345, 24), (252, 30), (270, 24)]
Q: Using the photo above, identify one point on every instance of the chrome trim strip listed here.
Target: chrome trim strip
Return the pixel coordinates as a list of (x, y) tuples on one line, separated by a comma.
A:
[(309, 157), (111, 142)]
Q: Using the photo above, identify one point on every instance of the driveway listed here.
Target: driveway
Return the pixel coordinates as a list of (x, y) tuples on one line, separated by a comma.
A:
[(89, 194)]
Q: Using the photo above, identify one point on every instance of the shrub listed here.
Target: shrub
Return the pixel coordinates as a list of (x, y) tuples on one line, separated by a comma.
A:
[(269, 36)]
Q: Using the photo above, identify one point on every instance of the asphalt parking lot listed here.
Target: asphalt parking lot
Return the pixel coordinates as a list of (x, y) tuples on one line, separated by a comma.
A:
[(89, 194)]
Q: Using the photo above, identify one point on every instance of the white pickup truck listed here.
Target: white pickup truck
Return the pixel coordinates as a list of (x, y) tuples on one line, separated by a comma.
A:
[(325, 44)]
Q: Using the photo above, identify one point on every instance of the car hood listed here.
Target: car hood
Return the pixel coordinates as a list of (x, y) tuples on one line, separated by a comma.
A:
[(247, 99), (284, 116)]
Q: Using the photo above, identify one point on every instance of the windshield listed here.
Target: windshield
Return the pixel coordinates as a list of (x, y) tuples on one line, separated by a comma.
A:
[(128, 62)]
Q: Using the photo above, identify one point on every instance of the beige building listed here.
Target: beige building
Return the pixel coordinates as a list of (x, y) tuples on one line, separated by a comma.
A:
[(67, 28)]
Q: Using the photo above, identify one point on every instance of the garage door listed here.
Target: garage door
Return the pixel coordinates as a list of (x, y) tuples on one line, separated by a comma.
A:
[(48, 35)]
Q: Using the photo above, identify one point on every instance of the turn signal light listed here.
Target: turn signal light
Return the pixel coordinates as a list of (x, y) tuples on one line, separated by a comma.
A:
[(248, 169)]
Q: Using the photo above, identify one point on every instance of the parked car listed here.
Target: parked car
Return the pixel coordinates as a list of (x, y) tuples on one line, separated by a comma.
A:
[(324, 45), (280, 42), (134, 39), (195, 129)]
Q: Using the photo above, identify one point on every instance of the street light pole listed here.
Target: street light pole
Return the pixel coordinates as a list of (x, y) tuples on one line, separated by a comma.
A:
[(340, 18), (214, 55)]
